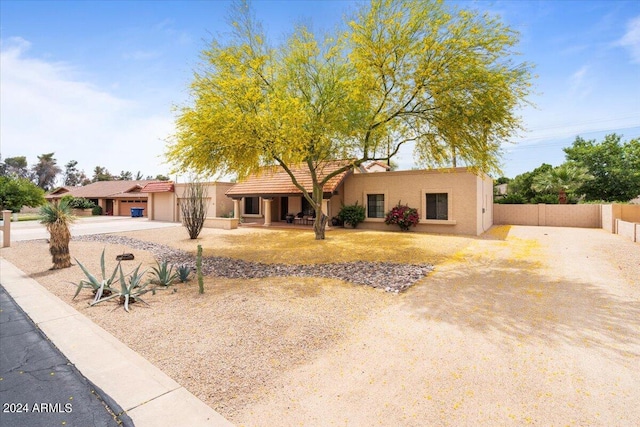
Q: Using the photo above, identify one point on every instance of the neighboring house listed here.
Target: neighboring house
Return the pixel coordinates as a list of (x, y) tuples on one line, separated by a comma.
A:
[(165, 198), (375, 166), (453, 201), (114, 197), (500, 190)]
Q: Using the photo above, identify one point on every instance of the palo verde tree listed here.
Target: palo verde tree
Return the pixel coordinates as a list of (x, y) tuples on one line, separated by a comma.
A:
[(400, 72)]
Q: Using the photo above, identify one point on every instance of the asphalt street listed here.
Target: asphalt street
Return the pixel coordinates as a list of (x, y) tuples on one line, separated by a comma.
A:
[(39, 387)]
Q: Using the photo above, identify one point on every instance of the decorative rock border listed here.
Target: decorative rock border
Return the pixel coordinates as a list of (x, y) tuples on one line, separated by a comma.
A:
[(392, 277)]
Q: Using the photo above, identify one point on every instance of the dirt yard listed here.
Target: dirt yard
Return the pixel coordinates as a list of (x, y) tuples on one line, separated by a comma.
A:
[(525, 325)]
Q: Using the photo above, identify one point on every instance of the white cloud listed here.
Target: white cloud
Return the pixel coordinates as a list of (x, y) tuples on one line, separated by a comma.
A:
[(45, 107), (579, 86), (631, 39)]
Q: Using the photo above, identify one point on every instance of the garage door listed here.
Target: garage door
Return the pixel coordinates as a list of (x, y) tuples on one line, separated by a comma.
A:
[(127, 204)]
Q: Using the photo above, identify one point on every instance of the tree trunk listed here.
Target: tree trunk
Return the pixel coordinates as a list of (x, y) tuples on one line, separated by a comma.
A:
[(59, 245), (562, 197), (320, 224)]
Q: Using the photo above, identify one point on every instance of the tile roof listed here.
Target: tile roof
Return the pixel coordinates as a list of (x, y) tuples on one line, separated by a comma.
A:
[(159, 187), (104, 189), (379, 164), (274, 181)]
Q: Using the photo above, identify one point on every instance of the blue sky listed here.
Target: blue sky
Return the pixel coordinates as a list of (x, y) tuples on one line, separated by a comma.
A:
[(96, 81)]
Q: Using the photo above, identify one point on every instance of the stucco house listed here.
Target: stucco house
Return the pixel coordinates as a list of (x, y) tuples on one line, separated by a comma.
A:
[(451, 201), (114, 197), (164, 198)]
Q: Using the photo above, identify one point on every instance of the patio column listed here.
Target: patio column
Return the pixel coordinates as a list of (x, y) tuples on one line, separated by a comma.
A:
[(236, 208), (267, 212)]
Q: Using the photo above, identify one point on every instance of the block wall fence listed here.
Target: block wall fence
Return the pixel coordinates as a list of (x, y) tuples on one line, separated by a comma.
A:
[(614, 218)]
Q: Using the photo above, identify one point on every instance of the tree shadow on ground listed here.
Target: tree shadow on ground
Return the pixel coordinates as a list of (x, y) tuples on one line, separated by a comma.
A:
[(516, 300)]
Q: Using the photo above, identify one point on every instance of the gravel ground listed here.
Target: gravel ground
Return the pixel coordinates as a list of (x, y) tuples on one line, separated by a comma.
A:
[(525, 326)]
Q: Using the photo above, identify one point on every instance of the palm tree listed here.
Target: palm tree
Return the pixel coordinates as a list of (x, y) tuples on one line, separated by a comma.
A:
[(563, 179), (57, 218)]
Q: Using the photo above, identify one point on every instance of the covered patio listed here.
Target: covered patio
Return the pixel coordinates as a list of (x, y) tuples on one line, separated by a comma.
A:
[(271, 199)]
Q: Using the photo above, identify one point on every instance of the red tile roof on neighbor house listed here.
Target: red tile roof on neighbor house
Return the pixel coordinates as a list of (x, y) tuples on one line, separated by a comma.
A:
[(159, 187), (103, 190), (274, 181)]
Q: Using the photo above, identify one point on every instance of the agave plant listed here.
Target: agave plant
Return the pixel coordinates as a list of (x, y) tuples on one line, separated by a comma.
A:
[(163, 274), (101, 287), (132, 287), (183, 272), (130, 292), (57, 219)]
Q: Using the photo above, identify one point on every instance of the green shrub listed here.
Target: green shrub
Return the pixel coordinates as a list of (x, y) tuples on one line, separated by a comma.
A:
[(81, 203), (96, 211), (549, 199), (352, 214), (511, 199)]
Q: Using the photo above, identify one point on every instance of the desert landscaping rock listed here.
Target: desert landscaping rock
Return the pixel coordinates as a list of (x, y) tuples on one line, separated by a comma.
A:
[(392, 277)]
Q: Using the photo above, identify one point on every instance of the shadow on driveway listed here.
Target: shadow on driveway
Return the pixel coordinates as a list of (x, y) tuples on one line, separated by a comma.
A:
[(515, 294)]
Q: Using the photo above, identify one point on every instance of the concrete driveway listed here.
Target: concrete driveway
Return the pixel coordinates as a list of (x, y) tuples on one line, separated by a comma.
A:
[(32, 230)]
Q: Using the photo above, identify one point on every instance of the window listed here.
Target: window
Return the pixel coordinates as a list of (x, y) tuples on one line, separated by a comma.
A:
[(437, 206), (252, 205), (375, 205)]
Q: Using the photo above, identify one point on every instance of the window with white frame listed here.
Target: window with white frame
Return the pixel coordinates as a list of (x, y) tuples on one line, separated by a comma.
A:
[(375, 205), (252, 205), (437, 206)]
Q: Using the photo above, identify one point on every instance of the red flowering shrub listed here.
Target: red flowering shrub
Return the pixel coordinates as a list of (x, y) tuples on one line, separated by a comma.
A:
[(402, 215)]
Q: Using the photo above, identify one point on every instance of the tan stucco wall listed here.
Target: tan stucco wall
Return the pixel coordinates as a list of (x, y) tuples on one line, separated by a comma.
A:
[(484, 210), (466, 194), (223, 204), (515, 214), (165, 206), (162, 207), (629, 230), (630, 213), (586, 216)]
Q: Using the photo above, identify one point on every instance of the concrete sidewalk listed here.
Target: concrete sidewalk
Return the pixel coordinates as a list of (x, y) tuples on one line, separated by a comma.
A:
[(147, 395)]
